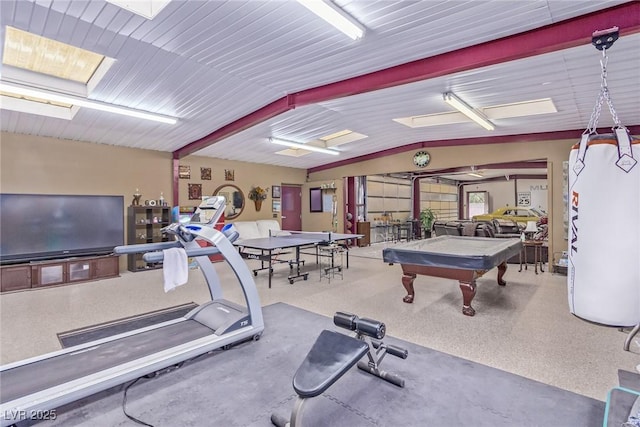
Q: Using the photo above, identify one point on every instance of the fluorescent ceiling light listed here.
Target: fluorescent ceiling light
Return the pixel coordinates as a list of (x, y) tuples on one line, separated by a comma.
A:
[(475, 172), (465, 109), (302, 146), (335, 16), (83, 102)]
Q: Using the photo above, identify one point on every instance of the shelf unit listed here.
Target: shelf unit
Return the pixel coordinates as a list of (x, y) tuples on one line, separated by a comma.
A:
[(57, 272), (144, 225)]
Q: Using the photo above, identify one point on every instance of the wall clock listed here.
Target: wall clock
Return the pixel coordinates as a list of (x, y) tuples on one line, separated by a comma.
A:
[(421, 159)]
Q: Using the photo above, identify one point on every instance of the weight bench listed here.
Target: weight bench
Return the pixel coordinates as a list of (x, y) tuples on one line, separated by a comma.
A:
[(333, 354)]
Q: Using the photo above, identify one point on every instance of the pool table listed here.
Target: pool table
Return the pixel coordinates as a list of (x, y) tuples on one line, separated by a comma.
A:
[(452, 257)]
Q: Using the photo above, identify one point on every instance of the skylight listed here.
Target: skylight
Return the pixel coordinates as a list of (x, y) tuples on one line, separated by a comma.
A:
[(503, 111), (146, 8), (45, 56), (341, 137)]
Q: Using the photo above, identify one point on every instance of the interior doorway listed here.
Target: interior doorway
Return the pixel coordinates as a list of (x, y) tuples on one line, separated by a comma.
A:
[(291, 198)]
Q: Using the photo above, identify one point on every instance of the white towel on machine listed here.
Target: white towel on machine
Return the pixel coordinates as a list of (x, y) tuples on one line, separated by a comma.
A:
[(175, 268)]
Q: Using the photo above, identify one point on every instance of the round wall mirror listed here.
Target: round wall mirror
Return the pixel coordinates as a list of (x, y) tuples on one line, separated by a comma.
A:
[(234, 199)]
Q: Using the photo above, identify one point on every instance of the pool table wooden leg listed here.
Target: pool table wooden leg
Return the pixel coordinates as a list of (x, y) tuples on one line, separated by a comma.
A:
[(407, 282), (502, 268), (468, 292)]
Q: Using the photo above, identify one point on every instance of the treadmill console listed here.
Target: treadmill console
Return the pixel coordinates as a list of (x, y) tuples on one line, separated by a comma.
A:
[(209, 211)]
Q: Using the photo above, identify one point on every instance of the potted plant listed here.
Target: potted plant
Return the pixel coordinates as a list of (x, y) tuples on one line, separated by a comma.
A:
[(427, 217)]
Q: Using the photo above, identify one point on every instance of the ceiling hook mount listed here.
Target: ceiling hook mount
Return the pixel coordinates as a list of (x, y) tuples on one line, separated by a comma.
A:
[(604, 39)]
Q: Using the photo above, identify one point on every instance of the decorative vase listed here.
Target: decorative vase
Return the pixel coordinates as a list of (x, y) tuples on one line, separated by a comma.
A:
[(258, 205)]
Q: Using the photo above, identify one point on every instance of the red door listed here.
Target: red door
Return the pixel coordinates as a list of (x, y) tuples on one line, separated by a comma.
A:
[(291, 208)]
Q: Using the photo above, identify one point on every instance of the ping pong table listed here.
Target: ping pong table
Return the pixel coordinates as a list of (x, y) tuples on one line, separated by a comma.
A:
[(271, 247)]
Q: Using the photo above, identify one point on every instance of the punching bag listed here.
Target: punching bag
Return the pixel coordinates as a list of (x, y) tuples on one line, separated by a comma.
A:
[(604, 229), (603, 274)]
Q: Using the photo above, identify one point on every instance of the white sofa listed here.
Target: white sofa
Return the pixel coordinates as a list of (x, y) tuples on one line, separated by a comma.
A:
[(258, 228)]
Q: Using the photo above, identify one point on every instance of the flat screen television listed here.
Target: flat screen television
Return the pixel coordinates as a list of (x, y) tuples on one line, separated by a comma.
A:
[(45, 226)]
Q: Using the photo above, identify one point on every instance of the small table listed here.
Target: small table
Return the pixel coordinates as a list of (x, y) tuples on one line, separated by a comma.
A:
[(537, 254), (331, 261)]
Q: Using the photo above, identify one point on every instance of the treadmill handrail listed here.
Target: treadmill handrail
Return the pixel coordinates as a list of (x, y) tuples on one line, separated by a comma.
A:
[(145, 247), (196, 252)]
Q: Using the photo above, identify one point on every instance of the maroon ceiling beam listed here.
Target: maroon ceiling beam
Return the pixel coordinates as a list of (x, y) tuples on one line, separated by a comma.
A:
[(537, 164), (527, 137), (562, 35), (267, 112)]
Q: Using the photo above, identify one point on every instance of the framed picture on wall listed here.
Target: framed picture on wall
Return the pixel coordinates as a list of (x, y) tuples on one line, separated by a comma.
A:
[(205, 174), (275, 205), (275, 191), (184, 172), (229, 175), (195, 191)]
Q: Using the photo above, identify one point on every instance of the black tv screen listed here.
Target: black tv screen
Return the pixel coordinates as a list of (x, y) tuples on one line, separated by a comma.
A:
[(45, 226)]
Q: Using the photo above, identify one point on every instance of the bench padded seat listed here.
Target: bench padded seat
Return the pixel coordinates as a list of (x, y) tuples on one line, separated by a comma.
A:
[(331, 356)]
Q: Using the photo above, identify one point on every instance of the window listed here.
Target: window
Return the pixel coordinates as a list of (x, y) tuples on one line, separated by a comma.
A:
[(315, 199)]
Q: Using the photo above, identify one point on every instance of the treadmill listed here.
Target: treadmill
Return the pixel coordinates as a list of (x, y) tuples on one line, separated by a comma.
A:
[(33, 386)]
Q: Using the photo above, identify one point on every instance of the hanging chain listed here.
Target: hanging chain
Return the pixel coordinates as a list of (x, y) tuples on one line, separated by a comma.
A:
[(604, 95)]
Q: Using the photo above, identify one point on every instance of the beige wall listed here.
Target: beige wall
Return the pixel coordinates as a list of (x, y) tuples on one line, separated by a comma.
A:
[(47, 165), (555, 151), (30, 164), (246, 176), (322, 221)]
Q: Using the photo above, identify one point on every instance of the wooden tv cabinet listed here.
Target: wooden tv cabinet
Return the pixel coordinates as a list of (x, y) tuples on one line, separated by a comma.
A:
[(40, 274)]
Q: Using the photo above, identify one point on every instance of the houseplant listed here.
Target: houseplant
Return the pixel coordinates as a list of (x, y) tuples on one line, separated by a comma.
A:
[(257, 194), (427, 217)]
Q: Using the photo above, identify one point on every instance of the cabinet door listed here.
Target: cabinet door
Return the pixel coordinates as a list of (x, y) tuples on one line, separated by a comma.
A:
[(49, 274), (106, 267), (13, 278), (79, 270)]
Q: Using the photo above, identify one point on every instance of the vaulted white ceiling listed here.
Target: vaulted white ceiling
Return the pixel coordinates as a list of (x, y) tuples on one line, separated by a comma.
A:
[(215, 64)]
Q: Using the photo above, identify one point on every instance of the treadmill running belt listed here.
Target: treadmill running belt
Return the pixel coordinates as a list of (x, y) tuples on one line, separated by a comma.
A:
[(27, 379)]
